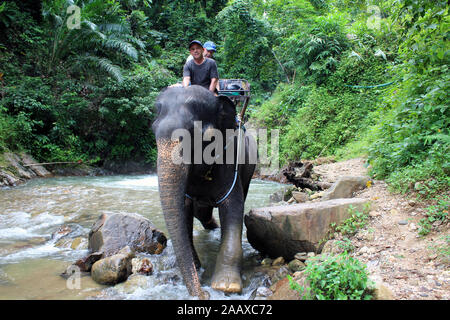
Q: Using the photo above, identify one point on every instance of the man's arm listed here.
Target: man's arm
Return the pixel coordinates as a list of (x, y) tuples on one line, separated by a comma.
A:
[(214, 76), (186, 74), (212, 86), (186, 81)]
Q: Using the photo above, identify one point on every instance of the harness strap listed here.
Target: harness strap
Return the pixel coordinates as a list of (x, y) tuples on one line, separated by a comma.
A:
[(236, 167)]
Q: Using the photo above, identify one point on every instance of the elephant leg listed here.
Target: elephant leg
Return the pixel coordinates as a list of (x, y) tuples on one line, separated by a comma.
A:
[(205, 216), (227, 273), (189, 212)]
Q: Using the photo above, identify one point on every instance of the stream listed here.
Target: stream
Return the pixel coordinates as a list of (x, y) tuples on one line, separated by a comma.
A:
[(31, 261)]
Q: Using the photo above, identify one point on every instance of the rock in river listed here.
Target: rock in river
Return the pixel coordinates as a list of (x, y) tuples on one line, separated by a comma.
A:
[(111, 233), (285, 230), (113, 269)]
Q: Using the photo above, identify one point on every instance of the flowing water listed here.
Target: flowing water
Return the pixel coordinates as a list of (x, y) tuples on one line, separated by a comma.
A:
[(31, 260)]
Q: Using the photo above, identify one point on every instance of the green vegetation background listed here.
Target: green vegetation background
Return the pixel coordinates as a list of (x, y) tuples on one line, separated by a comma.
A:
[(87, 93)]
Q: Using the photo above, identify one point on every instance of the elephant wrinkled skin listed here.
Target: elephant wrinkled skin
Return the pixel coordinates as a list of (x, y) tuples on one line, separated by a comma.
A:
[(179, 108)]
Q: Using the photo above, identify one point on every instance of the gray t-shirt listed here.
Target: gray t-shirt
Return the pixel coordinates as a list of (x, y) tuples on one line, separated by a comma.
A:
[(201, 74)]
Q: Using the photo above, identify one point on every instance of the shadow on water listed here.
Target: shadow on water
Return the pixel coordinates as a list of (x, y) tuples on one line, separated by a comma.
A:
[(31, 260)]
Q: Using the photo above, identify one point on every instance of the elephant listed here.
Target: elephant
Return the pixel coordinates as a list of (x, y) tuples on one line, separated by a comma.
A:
[(192, 189)]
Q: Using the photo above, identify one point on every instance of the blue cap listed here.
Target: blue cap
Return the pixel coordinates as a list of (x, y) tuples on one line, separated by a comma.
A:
[(210, 46)]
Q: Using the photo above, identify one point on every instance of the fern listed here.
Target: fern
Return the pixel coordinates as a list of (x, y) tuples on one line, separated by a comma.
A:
[(93, 45)]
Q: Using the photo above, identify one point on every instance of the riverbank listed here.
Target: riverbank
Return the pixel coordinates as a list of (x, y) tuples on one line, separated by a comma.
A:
[(409, 265), (17, 168)]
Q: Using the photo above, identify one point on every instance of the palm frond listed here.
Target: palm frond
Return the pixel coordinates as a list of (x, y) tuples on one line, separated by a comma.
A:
[(138, 43), (122, 46), (113, 28), (54, 19), (89, 64)]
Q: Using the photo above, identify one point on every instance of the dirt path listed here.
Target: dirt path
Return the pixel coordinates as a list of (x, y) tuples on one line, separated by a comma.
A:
[(390, 246)]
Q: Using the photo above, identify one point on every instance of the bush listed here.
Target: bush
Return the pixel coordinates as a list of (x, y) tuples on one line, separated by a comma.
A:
[(335, 277), (413, 136), (14, 131), (315, 50), (247, 49), (324, 123)]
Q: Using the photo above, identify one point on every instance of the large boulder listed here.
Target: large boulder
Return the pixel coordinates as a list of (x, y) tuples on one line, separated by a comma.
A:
[(345, 186), (111, 233), (286, 230)]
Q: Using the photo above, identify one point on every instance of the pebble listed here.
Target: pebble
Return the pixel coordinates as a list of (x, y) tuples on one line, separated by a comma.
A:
[(374, 214), (437, 223), (423, 289), (402, 222), (316, 195), (296, 265), (302, 256), (263, 292), (278, 261), (412, 227), (372, 263), (432, 256)]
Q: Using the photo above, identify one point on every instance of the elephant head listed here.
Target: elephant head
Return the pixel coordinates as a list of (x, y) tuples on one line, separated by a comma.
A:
[(179, 108)]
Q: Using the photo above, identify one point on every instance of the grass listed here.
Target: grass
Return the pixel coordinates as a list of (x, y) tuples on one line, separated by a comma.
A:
[(438, 212), (357, 220), (442, 249)]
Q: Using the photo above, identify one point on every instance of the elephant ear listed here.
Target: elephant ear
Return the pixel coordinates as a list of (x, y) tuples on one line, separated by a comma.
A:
[(227, 113)]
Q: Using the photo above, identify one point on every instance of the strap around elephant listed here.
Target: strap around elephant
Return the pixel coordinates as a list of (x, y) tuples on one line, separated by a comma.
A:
[(235, 169)]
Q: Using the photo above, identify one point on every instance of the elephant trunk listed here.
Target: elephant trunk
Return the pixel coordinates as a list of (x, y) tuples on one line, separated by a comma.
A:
[(172, 180)]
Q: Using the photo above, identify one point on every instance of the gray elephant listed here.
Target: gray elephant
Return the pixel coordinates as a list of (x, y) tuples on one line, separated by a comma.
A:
[(190, 189)]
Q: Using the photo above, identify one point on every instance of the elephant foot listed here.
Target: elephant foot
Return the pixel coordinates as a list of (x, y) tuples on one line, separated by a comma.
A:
[(227, 280)]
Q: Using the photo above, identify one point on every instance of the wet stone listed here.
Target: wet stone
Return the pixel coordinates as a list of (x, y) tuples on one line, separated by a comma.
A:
[(296, 265), (263, 292), (278, 262)]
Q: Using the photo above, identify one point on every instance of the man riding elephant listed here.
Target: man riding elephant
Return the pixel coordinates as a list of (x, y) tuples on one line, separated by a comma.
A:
[(193, 188), (200, 70)]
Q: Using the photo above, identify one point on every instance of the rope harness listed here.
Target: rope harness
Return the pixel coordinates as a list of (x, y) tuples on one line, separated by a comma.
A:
[(238, 119)]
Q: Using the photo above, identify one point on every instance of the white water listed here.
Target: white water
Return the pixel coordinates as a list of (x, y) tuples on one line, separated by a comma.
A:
[(31, 260)]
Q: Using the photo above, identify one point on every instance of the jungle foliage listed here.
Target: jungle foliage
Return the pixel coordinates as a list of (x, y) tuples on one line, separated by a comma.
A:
[(84, 88), (366, 80)]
